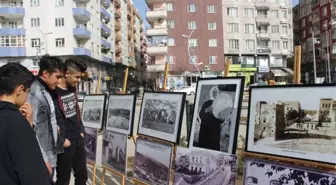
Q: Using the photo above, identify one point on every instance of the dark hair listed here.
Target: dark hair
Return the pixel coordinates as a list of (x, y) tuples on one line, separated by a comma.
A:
[(50, 64), (13, 75), (75, 64)]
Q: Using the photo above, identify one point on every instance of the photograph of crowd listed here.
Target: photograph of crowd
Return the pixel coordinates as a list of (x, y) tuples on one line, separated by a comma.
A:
[(114, 151), (161, 115), (195, 166), (295, 124), (152, 162), (90, 143), (216, 113), (93, 110), (120, 113)]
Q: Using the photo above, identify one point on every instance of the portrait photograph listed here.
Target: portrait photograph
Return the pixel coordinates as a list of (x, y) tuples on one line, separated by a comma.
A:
[(297, 121), (217, 113), (114, 150), (161, 115), (90, 143), (195, 166), (93, 111), (120, 113), (259, 172), (152, 162)]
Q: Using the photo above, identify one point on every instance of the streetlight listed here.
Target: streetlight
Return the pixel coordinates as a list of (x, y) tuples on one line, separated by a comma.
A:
[(328, 56), (189, 53)]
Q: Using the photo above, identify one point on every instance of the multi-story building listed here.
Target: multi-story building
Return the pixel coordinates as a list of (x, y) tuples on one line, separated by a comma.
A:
[(180, 29), (258, 35), (63, 28)]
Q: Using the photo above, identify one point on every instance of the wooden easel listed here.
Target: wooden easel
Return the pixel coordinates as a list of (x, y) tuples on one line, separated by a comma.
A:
[(227, 67), (93, 164), (297, 65)]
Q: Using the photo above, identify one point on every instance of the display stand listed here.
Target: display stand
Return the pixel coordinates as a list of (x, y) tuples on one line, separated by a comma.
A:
[(93, 164), (98, 84), (227, 67), (297, 65)]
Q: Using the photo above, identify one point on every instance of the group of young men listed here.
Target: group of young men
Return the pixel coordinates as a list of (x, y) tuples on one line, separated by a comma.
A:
[(40, 125)]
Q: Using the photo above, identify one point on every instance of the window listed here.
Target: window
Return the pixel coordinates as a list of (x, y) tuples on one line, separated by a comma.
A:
[(324, 11), (233, 28), (308, 9), (302, 12), (276, 44), (263, 44), (212, 59), (212, 42), (35, 22), (285, 44), (193, 42), (249, 28), (303, 34), (12, 24), (191, 8), (248, 12), (171, 23), (59, 3), (212, 9), (60, 42), (250, 44), (59, 22), (35, 43), (303, 23), (232, 12), (212, 26), (192, 25), (171, 59), (275, 14), (34, 3), (169, 7), (171, 42), (284, 30), (284, 14), (234, 44), (275, 28)]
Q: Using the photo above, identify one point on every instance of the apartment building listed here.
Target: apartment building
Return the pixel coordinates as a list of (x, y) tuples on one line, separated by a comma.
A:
[(258, 37), (180, 29), (84, 28)]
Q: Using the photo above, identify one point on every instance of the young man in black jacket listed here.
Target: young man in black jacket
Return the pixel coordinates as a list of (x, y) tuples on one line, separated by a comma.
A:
[(21, 161), (74, 156)]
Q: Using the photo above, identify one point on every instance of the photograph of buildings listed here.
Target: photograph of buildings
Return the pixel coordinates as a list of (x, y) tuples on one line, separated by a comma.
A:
[(93, 110), (114, 151), (90, 146), (120, 113), (152, 162), (294, 124), (265, 173), (200, 167), (216, 114)]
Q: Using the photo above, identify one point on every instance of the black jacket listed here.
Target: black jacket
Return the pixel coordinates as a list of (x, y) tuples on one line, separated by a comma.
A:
[(21, 161)]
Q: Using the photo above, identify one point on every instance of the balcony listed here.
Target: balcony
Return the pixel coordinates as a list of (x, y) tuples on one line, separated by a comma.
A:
[(82, 1), (117, 25), (263, 20), (12, 51), (157, 31), (105, 44), (118, 50), (231, 50), (263, 36), (9, 12), (157, 50), (151, 2), (81, 14), (106, 3), (118, 36), (106, 59), (283, 21), (117, 13), (105, 31), (104, 14), (82, 51), (155, 15), (82, 33), (264, 50), (117, 3), (262, 5), (12, 31)]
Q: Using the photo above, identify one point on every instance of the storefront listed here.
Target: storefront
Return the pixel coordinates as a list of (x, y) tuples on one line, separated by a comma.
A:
[(243, 70)]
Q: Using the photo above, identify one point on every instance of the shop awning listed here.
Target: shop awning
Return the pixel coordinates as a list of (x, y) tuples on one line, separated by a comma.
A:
[(289, 71), (156, 68), (278, 72)]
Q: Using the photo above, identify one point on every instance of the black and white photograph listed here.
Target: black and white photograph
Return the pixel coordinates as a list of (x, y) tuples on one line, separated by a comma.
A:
[(120, 113), (258, 172), (161, 115), (152, 162), (217, 114), (114, 151), (90, 143), (292, 125), (194, 166), (93, 111)]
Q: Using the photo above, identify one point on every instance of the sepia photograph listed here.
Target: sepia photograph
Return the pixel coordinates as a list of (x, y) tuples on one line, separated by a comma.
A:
[(217, 113), (258, 172), (152, 162), (114, 151), (291, 125), (120, 113), (161, 115), (93, 111), (90, 143), (194, 166)]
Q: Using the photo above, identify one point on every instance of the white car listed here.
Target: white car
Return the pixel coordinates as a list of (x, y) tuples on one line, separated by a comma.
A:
[(188, 90)]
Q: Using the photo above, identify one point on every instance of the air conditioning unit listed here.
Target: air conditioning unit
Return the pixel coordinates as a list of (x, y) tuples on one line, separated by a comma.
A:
[(206, 68)]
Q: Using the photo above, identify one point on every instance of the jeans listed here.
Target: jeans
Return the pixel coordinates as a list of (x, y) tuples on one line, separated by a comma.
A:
[(74, 157)]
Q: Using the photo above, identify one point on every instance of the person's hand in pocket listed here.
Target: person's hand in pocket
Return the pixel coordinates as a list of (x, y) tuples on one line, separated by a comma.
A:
[(67, 143), (49, 168)]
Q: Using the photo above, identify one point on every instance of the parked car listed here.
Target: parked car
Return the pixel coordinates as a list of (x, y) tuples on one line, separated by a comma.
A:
[(189, 90)]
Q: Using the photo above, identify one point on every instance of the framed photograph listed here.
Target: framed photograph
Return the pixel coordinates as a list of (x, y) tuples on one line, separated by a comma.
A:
[(114, 151), (93, 111), (297, 121), (216, 113), (161, 115), (152, 161), (264, 172), (120, 113), (194, 166), (90, 143)]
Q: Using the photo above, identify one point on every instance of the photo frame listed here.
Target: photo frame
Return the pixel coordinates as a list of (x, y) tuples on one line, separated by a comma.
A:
[(218, 101), (161, 115), (90, 143), (120, 113), (293, 121), (152, 159), (94, 111)]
